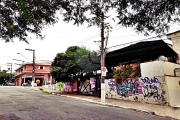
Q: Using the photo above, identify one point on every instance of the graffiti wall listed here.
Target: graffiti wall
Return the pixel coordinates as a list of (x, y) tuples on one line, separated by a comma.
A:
[(88, 86), (67, 87), (84, 87), (149, 90)]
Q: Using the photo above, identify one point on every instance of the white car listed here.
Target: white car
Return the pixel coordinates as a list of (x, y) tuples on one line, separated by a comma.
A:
[(11, 84)]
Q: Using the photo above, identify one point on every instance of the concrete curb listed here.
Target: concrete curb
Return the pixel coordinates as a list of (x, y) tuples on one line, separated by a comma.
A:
[(108, 104)]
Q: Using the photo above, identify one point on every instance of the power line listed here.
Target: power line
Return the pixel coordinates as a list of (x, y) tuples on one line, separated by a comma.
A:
[(76, 28), (135, 51), (135, 42), (89, 38), (144, 40), (124, 36), (97, 35)]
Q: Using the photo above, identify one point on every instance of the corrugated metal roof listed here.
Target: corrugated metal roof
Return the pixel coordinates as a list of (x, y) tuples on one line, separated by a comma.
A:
[(147, 50)]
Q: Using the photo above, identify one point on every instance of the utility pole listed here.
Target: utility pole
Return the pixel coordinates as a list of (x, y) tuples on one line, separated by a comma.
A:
[(33, 70), (10, 64), (102, 60)]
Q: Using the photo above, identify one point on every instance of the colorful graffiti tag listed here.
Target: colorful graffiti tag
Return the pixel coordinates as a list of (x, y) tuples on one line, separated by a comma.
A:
[(68, 87), (60, 86), (128, 88), (148, 88)]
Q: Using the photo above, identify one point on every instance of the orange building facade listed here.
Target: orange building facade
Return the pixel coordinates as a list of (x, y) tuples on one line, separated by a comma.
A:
[(23, 74)]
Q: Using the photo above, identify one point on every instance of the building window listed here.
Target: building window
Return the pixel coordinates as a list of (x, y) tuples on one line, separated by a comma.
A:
[(41, 67)]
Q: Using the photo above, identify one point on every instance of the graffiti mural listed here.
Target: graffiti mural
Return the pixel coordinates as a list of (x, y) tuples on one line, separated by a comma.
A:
[(148, 89), (128, 88), (60, 86), (151, 89), (68, 87)]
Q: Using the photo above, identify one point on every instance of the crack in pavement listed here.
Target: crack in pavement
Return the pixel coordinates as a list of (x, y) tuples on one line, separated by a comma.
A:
[(28, 109)]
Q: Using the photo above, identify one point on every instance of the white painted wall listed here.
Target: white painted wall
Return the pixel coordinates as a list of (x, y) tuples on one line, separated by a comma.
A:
[(158, 68), (151, 69), (173, 90)]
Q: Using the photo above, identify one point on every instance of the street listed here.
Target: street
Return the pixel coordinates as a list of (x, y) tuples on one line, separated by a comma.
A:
[(23, 104)]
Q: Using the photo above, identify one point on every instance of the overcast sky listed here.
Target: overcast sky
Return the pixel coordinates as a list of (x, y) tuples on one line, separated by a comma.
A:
[(59, 37)]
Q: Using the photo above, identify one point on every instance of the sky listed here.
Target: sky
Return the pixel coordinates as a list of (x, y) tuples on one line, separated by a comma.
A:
[(59, 37)]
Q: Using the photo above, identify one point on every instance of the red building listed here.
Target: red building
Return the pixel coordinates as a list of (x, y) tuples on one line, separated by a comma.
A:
[(23, 74)]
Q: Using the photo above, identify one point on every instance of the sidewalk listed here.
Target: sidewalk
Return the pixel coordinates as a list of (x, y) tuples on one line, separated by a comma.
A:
[(137, 106)]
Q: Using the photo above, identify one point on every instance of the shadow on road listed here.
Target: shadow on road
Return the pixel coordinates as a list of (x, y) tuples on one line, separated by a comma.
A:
[(9, 116)]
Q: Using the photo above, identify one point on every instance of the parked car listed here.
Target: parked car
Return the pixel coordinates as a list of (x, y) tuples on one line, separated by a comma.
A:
[(26, 84), (11, 84)]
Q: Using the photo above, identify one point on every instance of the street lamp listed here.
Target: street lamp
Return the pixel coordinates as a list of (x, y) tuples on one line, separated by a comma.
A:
[(20, 61), (24, 56), (10, 64), (33, 71), (17, 64)]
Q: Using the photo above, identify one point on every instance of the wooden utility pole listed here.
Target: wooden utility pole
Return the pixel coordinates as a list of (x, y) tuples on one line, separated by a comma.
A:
[(10, 64), (33, 65), (102, 48), (33, 72), (102, 59)]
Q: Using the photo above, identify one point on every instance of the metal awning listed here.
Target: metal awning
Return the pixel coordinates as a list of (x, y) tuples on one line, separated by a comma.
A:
[(142, 51)]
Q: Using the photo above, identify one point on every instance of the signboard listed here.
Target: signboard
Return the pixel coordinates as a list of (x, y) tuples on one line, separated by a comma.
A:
[(93, 84), (103, 71), (28, 76)]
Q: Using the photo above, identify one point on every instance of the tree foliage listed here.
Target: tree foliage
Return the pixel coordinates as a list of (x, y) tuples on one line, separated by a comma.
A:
[(145, 16), (122, 72), (19, 17), (87, 60), (74, 60), (4, 76)]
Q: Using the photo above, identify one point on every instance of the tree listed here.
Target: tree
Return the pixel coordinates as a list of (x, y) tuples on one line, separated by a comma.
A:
[(74, 60), (58, 67), (87, 60), (18, 18), (145, 16), (4, 76), (64, 64)]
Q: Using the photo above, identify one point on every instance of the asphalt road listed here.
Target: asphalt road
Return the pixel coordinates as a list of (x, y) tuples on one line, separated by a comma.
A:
[(17, 103)]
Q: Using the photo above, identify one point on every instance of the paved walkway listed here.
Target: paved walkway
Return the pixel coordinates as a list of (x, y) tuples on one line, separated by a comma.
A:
[(137, 106)]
